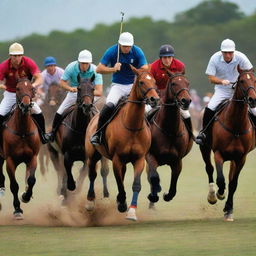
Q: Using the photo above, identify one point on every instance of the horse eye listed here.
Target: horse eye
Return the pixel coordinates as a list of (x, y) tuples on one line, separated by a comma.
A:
[(141, 83)]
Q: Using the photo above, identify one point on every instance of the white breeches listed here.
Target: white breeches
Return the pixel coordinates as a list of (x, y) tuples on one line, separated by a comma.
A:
[(117, 91), (69, 100), (9, 100), (221, 94)]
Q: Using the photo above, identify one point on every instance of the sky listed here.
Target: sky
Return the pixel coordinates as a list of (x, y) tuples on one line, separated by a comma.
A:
[(19, 18)]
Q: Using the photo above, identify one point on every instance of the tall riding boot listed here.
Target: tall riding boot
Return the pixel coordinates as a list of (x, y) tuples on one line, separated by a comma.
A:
[(55, 125), (105, 114), (39, 120), (207, 119), (188, 125), (1, 120)]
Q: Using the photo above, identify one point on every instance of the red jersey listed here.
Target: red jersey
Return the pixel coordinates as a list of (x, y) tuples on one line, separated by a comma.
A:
[(27, 68), (158, 71)]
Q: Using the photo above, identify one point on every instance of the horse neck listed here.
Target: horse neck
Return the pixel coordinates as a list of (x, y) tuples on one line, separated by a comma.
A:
[(79, 120), (237, 111), (133, 116), (21, 122)]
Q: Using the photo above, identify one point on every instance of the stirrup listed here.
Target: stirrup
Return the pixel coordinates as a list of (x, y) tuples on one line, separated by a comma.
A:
[(200, 139)]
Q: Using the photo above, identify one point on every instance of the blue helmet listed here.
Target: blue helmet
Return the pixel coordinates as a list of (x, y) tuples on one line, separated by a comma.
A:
[(166, 50), (49, 61)]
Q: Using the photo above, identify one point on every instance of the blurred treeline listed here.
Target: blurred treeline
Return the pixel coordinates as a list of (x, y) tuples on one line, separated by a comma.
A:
[(195, 34)]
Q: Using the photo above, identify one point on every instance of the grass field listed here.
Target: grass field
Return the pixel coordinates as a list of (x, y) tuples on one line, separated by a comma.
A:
[(186, 226)]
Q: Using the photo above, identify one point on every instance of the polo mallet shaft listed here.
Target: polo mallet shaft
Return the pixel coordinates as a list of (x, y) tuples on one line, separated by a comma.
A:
[(121, 30)]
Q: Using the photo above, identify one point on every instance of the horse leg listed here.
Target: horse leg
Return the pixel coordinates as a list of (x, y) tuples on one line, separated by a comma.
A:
[(92, 174), (119, 172), (206, 154), (11, 167), (30, 180), (176, 167), (153, 179), (2, 180), (81, 178), (136, 187), (104, 171), (220, 177), (235, 168), (68, 163)]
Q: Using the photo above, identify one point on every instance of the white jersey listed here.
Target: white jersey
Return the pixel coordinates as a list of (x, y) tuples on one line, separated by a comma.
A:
[(48, 79)]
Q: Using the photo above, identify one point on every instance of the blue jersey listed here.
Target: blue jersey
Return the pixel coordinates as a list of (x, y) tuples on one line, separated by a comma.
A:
[(72, 70), (135, 57)]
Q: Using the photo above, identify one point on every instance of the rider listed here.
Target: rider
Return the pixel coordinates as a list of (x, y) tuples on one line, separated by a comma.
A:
[(158, 70), (123, 76), (84, 68), (222, 71), (15, 67), (51, 75)]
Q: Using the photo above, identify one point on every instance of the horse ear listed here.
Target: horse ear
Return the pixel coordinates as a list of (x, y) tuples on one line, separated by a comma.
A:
[(169, 73), (135, 70), (239, 69)]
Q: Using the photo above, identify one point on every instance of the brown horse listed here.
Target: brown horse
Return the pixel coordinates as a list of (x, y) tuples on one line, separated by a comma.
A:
[(231, 139), (171, 140), (69, 145), (127, 140), (20, 143), (52, 101)]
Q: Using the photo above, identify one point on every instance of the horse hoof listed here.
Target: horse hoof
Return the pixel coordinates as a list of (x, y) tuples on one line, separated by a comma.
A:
[(2, 192), (212, 198), (71, 186), (151, 206), (106, 194), (90, 205), (153, 199), (131, 214), (228, 217), (18, 215), (220, 197), (167, 197), (122, 207), (24, 199)]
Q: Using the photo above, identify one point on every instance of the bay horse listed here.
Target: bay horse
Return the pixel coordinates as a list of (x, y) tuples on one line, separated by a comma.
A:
[(69, 143), (54, 97), (127, 140), (231, 139), (20, 143), (171, 140)]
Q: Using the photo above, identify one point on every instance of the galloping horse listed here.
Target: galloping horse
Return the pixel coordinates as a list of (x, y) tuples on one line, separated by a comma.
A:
[(231, 139), (127, 139), (20, 143), (70, 141), (171, 140), (53, 99)]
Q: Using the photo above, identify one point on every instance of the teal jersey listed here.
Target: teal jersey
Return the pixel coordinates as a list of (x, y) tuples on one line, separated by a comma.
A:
[(72, 71)]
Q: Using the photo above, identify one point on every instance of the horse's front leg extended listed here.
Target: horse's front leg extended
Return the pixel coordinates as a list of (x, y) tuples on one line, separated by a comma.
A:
[(234, 172), (136, 187), (11, 167), (2, 180), (176, 167), (104, 173), (220, 177), (119, 172), (68, 163), (30, 180), (153, 179)]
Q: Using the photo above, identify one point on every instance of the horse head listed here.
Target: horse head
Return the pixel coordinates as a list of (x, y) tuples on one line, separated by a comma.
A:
[(146, 87), (24, 95), (177, 90), (245, 87), (85, 95), (54, 94)]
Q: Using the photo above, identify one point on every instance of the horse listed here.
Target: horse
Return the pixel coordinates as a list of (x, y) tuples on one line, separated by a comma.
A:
[(20, 143), (127, 140), (171, 140), (69, 144), (51, 103), (232, 137)]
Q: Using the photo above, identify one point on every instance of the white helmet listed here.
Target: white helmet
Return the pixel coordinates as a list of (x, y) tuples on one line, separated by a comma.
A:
[(126, 39), (16, 49), (85, 56), (227, 45)]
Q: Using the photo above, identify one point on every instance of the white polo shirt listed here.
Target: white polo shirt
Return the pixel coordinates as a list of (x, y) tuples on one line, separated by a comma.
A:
[(218, 67)]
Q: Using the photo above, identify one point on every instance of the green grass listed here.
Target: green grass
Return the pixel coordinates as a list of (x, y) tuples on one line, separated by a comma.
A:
[(186, 226)]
